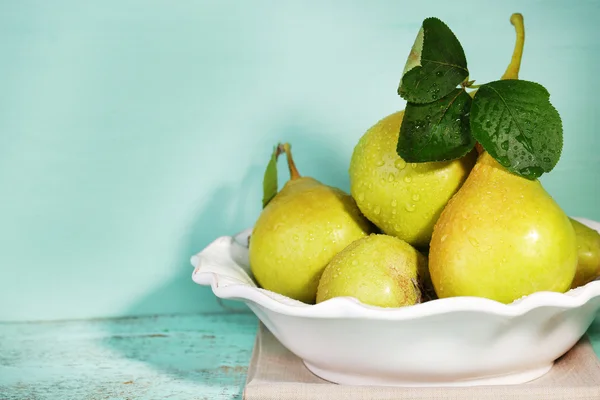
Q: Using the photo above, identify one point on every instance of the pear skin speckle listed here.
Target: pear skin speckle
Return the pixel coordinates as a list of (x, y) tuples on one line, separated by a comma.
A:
[(501, 237), (376, 165), (588, 254), (298, 233), (378, 270)]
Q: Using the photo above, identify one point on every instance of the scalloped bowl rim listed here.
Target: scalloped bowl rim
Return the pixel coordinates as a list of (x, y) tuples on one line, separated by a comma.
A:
[(349, 307)]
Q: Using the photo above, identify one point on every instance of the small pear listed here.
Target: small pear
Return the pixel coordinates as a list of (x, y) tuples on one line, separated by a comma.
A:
[(378, 270), (299, 231), (403, 200), (588, 254)]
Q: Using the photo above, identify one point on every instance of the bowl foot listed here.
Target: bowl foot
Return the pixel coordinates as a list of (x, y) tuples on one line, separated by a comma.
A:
[(363, 380)]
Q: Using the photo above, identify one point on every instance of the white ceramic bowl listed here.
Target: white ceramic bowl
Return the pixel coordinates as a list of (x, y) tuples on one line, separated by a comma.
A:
[(456, 341)]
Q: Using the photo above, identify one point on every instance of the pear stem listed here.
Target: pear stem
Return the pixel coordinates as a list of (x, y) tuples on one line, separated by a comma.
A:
[(294, 174), (512, 71), (479, 148)]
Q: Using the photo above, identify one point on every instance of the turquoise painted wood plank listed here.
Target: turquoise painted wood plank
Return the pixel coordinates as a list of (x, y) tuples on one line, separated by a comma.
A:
[(168, 357)]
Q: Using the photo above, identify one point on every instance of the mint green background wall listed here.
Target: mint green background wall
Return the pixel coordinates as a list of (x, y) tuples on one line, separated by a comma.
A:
[(132, 133)]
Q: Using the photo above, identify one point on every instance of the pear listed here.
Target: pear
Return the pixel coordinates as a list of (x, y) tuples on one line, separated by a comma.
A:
[(502, 236), (403, 200), (299, 231), (588, 254), (378, 270)]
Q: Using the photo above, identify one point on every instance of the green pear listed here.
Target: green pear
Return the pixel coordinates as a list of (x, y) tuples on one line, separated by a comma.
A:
[(403, 200), (588, 254), (299, 231), (501, 237), (378, 270)]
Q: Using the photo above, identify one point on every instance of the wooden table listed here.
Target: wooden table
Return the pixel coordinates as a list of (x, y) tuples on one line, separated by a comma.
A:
[(163, 357)]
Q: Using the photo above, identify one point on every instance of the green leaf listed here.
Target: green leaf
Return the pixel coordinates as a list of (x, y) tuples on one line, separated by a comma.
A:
[(270, 184), (436, 131), (517, 125), (435, 66)]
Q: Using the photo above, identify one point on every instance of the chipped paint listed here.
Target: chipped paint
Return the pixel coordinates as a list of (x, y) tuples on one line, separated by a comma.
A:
[(178, 357)]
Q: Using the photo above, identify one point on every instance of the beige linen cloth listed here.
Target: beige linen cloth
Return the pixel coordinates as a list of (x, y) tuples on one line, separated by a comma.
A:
[(277, 374)]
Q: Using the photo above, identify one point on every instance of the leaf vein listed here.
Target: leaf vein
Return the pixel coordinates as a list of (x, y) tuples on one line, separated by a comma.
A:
[(436, 124), (445, 64), (423, 76), (521, 132), (499, 124)]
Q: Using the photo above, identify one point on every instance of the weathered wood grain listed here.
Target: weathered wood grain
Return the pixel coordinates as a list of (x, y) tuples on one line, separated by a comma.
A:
[(167, 357)]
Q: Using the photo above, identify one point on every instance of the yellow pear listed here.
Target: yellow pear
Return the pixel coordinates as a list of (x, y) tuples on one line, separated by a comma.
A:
[(588, 254), (299, 231), (501, 237), (378, 270), (403, 200)]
